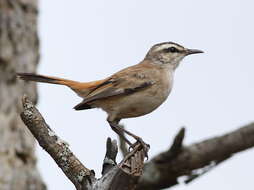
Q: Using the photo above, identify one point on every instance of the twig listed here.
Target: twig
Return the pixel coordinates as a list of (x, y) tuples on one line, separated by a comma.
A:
[(174, 150), (110, 157)]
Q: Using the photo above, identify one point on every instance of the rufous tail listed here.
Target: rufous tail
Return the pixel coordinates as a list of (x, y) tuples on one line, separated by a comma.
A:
[(81, 88), (45, 79)]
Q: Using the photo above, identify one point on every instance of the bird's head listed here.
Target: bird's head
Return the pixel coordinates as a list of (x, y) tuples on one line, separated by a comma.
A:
[(169, 53)]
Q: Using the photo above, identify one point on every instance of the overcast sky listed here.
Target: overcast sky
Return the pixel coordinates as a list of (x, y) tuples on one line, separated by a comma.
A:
[(212, 94)]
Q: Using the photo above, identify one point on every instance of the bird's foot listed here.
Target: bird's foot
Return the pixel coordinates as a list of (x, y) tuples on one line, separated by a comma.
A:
[(140, 144), (143, 145)]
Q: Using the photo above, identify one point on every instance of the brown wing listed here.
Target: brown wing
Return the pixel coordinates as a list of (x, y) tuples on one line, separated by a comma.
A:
[(125, 82), (109, 92)]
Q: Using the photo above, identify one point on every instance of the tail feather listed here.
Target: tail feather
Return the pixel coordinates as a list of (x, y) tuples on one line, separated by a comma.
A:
[(44, 79), (82, 106), (81, 88)]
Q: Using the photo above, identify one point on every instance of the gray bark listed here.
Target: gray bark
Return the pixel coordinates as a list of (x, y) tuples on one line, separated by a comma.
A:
[(194, 160), (18, 53)]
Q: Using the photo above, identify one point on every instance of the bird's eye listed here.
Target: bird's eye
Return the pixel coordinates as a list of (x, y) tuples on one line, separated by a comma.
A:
[(172, 50)]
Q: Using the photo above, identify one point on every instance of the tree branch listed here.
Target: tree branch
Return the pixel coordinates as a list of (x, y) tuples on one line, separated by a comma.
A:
[(125, 175), (194, 160), (162, 171), (57, 148)]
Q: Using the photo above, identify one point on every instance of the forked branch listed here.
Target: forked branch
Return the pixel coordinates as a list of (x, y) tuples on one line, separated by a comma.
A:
[(162, 171)]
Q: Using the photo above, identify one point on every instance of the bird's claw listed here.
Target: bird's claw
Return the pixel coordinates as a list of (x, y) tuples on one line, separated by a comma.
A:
[(145, 146)]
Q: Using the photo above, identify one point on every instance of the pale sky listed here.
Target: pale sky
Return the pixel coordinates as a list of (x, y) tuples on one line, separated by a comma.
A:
[(212, 94)]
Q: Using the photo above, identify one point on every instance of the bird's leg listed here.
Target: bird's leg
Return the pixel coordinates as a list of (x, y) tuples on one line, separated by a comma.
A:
[(138, 139), (115, 127), (120, 131)]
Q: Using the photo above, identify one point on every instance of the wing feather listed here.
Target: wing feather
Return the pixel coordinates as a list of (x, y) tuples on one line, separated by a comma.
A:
[(109, 92), (124, 82)]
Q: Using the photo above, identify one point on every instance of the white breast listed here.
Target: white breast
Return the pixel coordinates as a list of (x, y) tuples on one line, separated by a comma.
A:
[(146, 101)]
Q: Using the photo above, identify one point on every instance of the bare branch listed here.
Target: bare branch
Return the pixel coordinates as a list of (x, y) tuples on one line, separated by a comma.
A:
[(161, 172), (124, 175), (190, 159), (57, 148)]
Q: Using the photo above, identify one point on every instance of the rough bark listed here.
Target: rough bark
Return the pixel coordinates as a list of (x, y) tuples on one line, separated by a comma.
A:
[(18, 53), (160, 172)]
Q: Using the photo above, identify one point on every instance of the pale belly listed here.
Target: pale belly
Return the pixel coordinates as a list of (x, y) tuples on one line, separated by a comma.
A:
[(138, 107)]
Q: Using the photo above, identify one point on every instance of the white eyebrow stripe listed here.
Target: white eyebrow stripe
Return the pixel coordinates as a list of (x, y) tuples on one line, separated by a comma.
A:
[(165, 46)]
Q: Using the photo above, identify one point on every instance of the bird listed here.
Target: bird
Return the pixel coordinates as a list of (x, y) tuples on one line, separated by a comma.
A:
[(131, 92)]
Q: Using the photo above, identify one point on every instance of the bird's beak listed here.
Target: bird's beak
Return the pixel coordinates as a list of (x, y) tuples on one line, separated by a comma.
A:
[(192, 51)]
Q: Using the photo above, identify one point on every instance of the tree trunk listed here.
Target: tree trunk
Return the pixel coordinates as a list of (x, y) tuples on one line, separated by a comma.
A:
[(18, 53)]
